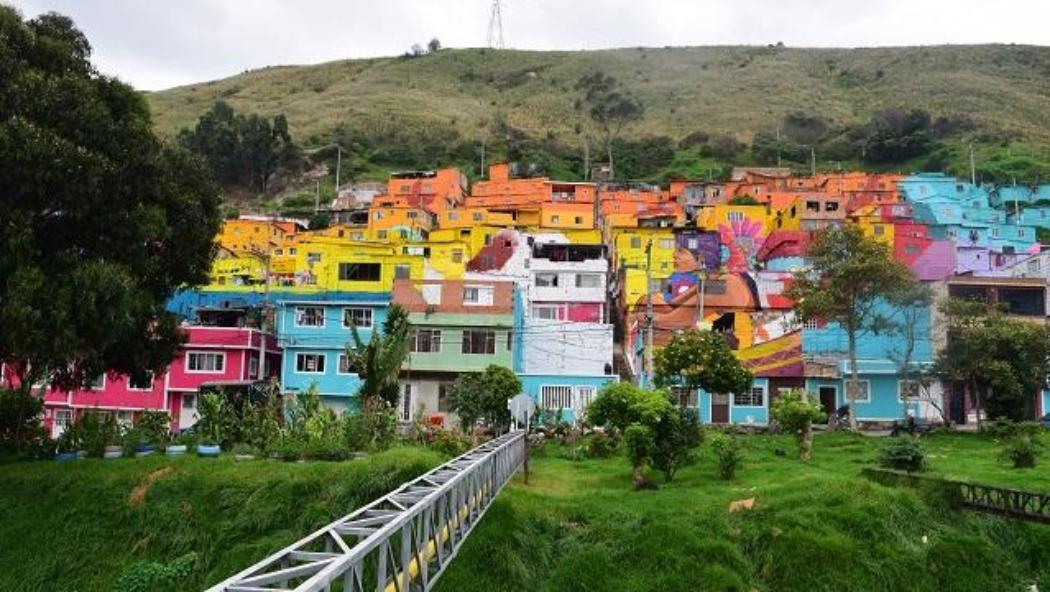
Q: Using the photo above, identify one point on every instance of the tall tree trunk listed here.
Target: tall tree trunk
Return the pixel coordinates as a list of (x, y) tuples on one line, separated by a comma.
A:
[(851, 388), (805, 443), (977, 401)]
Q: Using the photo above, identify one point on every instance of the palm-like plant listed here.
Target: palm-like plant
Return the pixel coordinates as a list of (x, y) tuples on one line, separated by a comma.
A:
[(378, 362)]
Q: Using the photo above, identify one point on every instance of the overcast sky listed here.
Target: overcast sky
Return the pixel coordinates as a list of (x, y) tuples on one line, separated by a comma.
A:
[(158, 44)]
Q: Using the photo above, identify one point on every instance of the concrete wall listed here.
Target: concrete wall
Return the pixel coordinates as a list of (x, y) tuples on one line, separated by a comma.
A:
[(556, 347)]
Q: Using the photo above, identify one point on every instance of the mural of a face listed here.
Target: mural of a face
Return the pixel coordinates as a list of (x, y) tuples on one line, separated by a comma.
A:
[(495, 255), (743, 238)]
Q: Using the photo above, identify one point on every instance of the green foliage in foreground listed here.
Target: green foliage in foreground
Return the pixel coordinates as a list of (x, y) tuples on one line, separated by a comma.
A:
[(77, 528), (815, 526)]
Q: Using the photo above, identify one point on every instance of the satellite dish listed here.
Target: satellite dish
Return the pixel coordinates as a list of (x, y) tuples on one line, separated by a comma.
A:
[(522, 409)]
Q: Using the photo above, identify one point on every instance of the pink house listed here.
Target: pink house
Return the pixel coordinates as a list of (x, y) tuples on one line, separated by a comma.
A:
[(212, 357)]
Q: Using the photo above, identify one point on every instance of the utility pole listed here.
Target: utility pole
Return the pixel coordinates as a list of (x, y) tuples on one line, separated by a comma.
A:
[(649, 312), (778, 145), (264, 319), (338, 166), (813, 160), (481, 172), (701, 280), (317, 197), (973, 168)]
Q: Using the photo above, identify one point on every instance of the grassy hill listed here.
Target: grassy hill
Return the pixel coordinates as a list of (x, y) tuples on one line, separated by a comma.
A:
[(733, 90)]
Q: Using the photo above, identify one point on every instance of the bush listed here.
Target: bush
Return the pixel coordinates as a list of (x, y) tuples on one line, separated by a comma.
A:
[(903, 454), (602, 445), (675, 435), (449, 442), (130, 440), (1004, 428), (97, 431), (1023, 450), (21, 420), (155, 427), (795, 412), (143, 576), (638, 440), (727, 452)]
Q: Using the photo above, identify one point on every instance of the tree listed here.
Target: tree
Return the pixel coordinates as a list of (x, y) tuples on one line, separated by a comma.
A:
[(482, 397), (700, 360), (896, 135), (795, 411), (610, 108), (1002, 361), (99, 220), (908, 326), (850, 281), (378, 362), (434, 46)]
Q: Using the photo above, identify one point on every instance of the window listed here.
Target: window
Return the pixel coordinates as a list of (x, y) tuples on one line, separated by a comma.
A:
[(98, 383), (831, 206), (693, 244), (878, 230), (457, 256), (479, 342), (546, 280), (205, 362), (471, 295), (445, 397), (584, 395), (578, 220), (753, 398), (1033, 265), (477, 216), (402, 271), (378, 215), (253, 367), (488, 239), (453, 216), (735, 217), (811, 324), (510, 340), (556, 397), (951, 233), (861, 390), (667, 243), (360, 272), (636, 242), (63, 417), (357, 317), (309, 316), (146, 384), (1020, 233), (412, 214), (554, 219), (312, 258), (345, 367), (406, 403), (908, 390), (309, 363), (995, 232), (684, 397), (812, 206), (425, 341), (381, 235), (588, 280), (189, 401), (545, 312)]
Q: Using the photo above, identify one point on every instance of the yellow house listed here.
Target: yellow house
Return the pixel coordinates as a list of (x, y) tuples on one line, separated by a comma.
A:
[(387, 222), (249, 234), (716, 216), (441, 260), (629, 246), (238, 270), (870, 221), (324, 263)]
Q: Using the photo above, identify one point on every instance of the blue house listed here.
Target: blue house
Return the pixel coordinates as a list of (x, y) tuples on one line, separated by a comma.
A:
[(314, 330), (749, 408), (883, 395)]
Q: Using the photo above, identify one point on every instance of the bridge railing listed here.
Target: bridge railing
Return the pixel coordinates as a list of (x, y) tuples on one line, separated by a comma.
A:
[(400, 542)]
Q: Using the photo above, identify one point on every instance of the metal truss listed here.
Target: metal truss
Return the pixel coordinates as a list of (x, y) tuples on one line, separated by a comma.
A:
[(401, 542)]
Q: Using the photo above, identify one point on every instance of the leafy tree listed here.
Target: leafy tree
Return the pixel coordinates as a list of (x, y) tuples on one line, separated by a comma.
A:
[(805, 127), (675, 436), (434, 45), (21, 419), (912, 305), (722, 146), (700, 360), (482, 397), (638, 442), (242, 150), (851, 278), (99, 220), (378, 362), (896, 135), (610, 107), (1002, 361), (796, 412), (615, 405)]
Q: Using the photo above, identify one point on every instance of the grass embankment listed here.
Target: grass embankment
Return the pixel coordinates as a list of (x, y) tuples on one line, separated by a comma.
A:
[(578, 526), (80, 526)]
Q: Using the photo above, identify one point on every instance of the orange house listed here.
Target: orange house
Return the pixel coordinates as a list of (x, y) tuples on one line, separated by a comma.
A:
[(391, 217), (257, 234), (566, 215), (433, 191)]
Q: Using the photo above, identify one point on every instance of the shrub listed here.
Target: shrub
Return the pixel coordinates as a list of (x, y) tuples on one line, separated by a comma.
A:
[(1004, 428), (450, 442), (675, 435), (904, 454), (21, 419), (638, 440), (727, 452), (795, 411), (130, 440), (143, 576), (97, 432), (1023, 450), (215, 419), (155, 427), (603, 444)]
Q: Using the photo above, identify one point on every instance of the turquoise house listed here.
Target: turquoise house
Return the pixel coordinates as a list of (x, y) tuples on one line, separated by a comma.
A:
[(571, 394), (750, 408), (314, 331), (883, 395)]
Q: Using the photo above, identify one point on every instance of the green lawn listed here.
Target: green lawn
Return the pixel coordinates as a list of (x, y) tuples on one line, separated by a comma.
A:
[(578, 526), (72, 526)]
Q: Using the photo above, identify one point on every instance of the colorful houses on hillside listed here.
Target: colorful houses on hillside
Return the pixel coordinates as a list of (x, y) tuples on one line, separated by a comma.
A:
[(554, 280)]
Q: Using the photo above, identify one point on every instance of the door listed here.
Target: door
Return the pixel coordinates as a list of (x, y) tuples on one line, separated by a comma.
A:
[(60, 421), (406, 403), (720, 408), (829, 399), (957, 404)]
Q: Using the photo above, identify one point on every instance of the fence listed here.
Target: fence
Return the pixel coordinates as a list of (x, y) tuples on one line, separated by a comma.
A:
[(401, 542), (1025, 505)]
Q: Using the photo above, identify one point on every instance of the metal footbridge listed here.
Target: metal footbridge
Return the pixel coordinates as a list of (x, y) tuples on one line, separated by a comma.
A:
[(401, 542)]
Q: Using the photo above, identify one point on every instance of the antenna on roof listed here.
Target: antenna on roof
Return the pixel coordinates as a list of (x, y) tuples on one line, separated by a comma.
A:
[(496, 25)]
